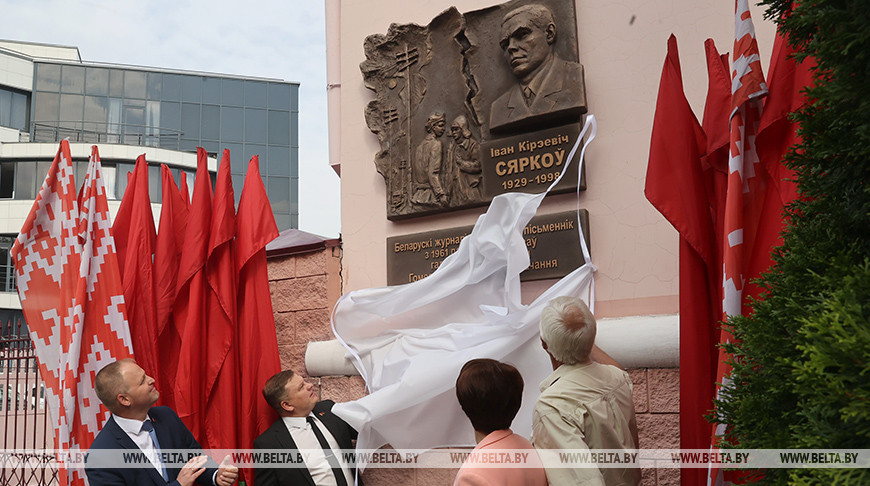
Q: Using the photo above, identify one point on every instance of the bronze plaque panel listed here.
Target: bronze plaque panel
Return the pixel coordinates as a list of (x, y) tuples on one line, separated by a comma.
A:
[(531, 162), (448, 92), (524, 59), (552, 240)]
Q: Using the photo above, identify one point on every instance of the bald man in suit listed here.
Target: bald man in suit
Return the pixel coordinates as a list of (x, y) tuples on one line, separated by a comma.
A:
[(136, 425)]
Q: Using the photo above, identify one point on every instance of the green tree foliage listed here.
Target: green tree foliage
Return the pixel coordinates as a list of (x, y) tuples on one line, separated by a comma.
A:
[(801, 374)]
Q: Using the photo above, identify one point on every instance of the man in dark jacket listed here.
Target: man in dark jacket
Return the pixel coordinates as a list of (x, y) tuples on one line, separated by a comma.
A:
[(137, 426), (309, 427)]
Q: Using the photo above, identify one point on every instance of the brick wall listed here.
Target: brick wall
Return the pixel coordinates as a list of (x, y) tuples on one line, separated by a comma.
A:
[(304, 289), (657, 408), (306, 286)]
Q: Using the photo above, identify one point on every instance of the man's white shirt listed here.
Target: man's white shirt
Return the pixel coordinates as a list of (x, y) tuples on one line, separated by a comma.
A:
[(142, 439), (315, 460)]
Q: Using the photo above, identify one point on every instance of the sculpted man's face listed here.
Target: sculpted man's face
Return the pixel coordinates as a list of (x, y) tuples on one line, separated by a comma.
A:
[(438, 128), (525, 46), (456, 132)]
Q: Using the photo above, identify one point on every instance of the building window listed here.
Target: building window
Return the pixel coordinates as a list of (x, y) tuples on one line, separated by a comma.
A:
[(7, 269), (25, 180), (13, 109), (97, 81), (72, 79), (7, 180), (48, 77)]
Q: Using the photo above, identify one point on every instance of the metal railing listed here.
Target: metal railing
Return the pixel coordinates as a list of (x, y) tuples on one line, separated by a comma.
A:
[(98, 132), (23, 412)]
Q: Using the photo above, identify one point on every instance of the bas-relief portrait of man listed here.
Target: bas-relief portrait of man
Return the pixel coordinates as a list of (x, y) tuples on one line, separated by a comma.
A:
[(446, 89), (546, 84)]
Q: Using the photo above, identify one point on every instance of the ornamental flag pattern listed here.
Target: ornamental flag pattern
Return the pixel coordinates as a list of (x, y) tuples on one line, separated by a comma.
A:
[(747, 92), (70, 290)]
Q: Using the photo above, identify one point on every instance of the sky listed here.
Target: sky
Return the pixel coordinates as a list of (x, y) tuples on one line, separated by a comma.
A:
[(267, 38)]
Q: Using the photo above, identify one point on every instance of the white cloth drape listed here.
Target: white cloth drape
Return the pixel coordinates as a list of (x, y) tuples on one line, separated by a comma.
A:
[(410, 341)]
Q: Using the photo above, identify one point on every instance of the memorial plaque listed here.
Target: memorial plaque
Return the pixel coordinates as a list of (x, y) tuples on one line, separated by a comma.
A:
[(531, 162), (553, 242), (452, 94)]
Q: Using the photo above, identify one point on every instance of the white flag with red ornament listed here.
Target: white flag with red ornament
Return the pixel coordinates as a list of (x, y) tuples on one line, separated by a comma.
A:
[(71, 297), (741, 209)]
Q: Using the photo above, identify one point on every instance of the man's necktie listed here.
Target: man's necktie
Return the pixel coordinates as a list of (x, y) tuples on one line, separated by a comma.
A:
[(529, 95), (327, 451), (148, 427)]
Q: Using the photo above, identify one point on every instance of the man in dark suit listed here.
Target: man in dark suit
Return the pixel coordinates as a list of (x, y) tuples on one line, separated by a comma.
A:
[(136, 426), (547, 86), (309, 427)]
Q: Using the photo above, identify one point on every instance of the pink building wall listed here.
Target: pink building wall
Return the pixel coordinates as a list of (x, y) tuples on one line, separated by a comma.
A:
[(622, 47)]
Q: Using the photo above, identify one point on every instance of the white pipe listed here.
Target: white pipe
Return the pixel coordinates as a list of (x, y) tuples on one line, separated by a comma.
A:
[(326, 358), (333, 81), (635, 342), (641, 341)]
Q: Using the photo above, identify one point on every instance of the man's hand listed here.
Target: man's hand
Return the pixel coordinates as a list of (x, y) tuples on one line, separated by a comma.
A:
[(190, 471), (227, 473)]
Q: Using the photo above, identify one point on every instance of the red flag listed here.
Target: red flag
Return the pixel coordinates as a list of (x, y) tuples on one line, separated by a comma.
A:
[(677, 185), (167, 253), (745, 190), (185, 192), (767, 184), (189, 313), (221, 365), (675, 161), (776, 133), (717, 111), (135, 236), (717, 108), (257, 343), (699, 361), (71, 297)]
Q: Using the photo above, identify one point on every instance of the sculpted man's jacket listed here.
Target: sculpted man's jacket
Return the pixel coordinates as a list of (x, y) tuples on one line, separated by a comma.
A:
[(171, 433), (426, 171), (278, 437), (559, 88)]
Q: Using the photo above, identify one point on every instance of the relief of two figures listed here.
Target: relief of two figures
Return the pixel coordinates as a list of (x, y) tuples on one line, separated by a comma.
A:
[(446, 179)]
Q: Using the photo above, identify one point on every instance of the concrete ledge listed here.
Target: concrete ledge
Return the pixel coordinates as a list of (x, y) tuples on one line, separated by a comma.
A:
[(635, 342)]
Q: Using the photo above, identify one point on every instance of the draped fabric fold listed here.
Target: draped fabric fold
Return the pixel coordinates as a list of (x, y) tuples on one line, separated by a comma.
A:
[(256, 339), (190, 313), (135, 238), (221, 361)]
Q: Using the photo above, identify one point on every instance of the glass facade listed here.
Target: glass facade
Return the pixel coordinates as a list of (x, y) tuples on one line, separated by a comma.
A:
[(179, 111)]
